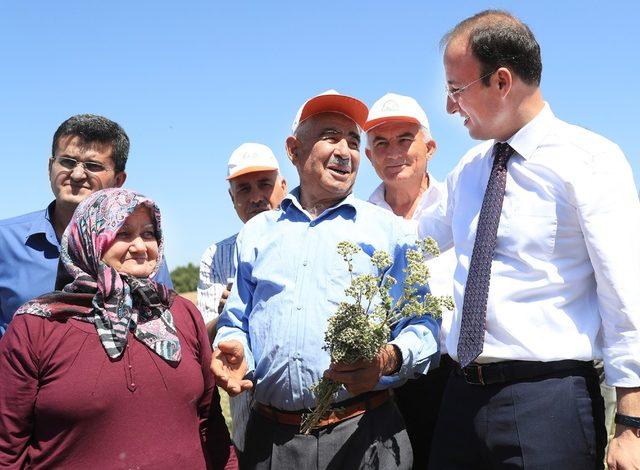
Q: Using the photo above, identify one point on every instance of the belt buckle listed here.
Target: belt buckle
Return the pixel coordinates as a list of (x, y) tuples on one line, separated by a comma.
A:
[(473, 374)]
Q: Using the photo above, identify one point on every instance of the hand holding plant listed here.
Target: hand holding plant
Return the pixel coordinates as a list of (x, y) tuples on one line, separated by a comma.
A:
[(359, 330)]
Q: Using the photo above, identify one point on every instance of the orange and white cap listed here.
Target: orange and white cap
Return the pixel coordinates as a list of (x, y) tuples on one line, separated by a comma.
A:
[(250, 157), (393, 107), (332, 102)]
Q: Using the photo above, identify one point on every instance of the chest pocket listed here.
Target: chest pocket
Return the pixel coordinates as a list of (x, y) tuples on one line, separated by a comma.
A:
[(530, 229), (340, 278)]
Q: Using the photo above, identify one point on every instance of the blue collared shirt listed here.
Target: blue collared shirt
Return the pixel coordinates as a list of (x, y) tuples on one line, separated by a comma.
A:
[(290, 280), (29, 252)]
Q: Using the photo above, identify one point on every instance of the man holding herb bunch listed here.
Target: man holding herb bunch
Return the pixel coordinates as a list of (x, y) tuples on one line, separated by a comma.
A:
[(290, 280)]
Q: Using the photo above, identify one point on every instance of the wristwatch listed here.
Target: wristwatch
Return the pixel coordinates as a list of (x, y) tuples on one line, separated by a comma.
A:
[(629, 421)]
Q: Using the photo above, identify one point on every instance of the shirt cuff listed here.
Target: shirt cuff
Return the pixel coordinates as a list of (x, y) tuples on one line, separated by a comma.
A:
[(418, 353), (622, 366)]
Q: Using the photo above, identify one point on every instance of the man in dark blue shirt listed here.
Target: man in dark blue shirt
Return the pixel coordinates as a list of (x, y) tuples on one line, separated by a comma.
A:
[(88, 153)]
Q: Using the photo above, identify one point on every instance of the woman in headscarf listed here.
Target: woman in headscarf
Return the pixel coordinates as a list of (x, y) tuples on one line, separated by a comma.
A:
[(112, 371)]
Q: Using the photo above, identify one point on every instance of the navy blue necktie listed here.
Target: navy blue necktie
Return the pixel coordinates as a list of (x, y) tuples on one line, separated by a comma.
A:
[(476, 291)]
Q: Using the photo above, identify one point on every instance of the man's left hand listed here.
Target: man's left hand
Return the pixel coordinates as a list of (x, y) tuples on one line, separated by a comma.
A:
[(363, 376), (624, 450)]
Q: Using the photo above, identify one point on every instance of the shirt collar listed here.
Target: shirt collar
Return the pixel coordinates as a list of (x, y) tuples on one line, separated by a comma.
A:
[(528, 138), (377, 197), (42, 224), (294, 198), (433, 194)]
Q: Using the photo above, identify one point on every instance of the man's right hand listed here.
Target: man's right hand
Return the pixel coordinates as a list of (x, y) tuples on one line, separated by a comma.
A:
[(223, 300), (229, 367), (225, 295)]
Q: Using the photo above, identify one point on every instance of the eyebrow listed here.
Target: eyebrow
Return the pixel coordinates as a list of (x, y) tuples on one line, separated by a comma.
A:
[(334, 131), (378, 138), (407, 134), (92, 160), (329, 130), (126, 226)]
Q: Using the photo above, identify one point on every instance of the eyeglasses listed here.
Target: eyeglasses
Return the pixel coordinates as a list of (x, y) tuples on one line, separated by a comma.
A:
[(454, 94), (70, 163)]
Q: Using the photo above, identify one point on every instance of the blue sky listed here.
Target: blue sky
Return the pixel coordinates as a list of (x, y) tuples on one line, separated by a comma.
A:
[(190, 81)]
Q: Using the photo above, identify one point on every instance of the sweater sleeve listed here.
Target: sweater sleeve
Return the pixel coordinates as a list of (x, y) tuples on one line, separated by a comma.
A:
[(216, 441), (18, 390)]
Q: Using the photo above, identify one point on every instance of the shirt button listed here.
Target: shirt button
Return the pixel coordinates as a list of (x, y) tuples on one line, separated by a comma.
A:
[(299, 307), (304, 263)]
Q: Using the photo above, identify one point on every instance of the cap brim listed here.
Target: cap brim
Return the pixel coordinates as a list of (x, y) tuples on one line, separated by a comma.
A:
[(376, 122), (350, 107), (251, 169)]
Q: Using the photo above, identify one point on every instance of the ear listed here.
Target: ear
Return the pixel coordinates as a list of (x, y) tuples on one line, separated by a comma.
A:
[(367, 152), (283, 185), (121, 177), (231, 194), (504, 80), (431, 148), (51, 159), (292, 146)]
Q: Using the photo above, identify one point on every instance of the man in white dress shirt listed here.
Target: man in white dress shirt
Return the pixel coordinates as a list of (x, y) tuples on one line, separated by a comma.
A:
[(562, 269), (255, 185), (400, 146)]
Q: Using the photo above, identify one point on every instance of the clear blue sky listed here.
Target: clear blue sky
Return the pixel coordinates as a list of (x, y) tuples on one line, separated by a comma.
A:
[(190, 81)]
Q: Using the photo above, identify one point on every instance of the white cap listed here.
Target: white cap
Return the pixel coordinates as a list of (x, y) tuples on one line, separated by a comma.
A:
[(251, 157), (392, 107), (332, 102)]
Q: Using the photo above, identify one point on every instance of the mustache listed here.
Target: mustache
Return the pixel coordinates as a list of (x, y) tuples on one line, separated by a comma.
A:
[(343, 163), (258, 206), (398, 162)]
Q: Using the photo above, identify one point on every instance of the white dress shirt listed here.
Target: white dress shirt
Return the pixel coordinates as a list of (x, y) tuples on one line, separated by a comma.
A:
[(566, 269), (441, 267)]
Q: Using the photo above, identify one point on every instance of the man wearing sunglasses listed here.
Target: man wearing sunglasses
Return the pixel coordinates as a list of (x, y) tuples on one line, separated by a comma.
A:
[(89, 153), (545, 219)]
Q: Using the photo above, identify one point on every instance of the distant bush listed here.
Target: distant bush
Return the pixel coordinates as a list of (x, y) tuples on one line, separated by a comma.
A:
[(185, 278)]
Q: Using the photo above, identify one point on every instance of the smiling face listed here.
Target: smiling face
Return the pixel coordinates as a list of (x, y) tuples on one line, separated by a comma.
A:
[(399, 151), (134, 250), (256, 192), (479, 105), (72, 186), (326, 153)]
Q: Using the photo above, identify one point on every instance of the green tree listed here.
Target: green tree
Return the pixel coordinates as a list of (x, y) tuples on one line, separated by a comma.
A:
[(185, 278)]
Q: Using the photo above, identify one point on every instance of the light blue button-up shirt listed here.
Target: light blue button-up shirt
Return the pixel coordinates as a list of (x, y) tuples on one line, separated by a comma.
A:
[(290, 280)]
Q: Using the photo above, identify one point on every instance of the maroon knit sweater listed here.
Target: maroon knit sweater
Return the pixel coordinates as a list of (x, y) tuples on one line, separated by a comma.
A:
[(65, 404)]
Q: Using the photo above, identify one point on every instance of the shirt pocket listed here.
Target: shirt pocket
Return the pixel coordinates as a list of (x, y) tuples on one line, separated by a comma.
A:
[(340, 277), (530, 231)]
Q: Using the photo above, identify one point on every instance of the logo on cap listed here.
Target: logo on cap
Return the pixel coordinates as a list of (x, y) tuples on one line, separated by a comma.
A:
[(390, 105)]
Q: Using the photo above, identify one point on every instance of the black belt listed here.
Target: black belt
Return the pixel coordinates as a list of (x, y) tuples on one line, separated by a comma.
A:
[(509, 371)]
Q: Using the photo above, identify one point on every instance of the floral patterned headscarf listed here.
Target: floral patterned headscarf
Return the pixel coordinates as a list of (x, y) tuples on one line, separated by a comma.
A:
[(116, 303)]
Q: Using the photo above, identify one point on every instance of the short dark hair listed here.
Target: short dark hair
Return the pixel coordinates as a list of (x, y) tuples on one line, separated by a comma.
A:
[(499, 39), (92, 128)]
